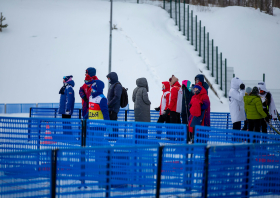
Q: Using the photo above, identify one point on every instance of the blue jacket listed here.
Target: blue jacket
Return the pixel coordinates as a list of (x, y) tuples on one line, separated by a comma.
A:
[(97, 88), (114, 93), (67, 100)]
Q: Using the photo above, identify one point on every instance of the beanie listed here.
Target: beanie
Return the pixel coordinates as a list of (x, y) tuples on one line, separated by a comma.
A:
[(91, 71), (67, 78), (248, 90), (255, 91)]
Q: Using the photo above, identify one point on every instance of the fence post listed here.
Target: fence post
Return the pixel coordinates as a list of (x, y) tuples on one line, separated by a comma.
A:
[(30, 112), (170, 8), (108, 174), (188, 24), (217, 65), (184, 32), (159, 167), (208, 50), (263, 77), (138, 1), (191, 27), (125, 115), (200, 38), (233, 75), (179, 15), (163, 4), (212, 57), (249, 174), (195, 32), (175, 12), (53, 173), (204, 45), (206, 168), (80, 114), (221, 71), (226, 78), (84, 132)]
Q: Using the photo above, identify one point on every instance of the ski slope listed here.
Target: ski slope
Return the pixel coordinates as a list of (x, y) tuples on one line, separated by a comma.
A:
[(48, 39)]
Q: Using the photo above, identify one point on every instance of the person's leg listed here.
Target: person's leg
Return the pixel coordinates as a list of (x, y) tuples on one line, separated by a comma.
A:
[(173, 119), (64, 116), (113, 116), (258, 123), (160, 120), (264, 126), (167, 119), (237, 125), (178, 118), (251, 125)]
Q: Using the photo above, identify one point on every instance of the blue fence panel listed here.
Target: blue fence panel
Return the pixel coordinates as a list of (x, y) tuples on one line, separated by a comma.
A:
[(45, 105), (51, 113), (211, 135), (26, 174), (55, 105), (2, 108), (107, 172), (18, 134), (25, 108), (13, 108), (183, 171), (101, 132)]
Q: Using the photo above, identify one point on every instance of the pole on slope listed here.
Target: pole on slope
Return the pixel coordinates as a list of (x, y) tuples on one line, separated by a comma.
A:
[(226, 78), (184, 32), (208, 50), (188, 24), (263, 77), (191, 27), (217, 65), (204, 43), (110, 45), (195, 32), (212, 57), (221, 59)]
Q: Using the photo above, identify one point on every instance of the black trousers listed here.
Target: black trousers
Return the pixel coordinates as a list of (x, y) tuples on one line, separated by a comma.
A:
[(67, 127), (66, 116), (264, 125), (113, 116), (163, 119), (237, 125), (175, 117), (255, 125)]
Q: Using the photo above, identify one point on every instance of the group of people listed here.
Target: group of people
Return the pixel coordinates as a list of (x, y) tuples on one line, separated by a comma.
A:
[(255, 106)]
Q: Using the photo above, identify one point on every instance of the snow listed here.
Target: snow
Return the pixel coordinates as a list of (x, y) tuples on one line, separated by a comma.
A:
[(48, 39), (18, 115), (248, 39)]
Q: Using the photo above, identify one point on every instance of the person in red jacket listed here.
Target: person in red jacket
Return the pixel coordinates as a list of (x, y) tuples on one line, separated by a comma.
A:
[(175, 101), (199, 107), (164, 103)]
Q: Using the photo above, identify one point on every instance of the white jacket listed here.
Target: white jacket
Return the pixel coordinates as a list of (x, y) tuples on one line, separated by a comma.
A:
[(236, 102)]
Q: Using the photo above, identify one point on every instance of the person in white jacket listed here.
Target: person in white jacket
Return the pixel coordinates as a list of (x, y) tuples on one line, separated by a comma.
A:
[(268, 105), (236, 103)]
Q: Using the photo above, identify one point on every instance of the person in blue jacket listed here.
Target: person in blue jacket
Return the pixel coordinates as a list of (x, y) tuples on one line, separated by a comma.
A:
[(67, 97), (98, 107)]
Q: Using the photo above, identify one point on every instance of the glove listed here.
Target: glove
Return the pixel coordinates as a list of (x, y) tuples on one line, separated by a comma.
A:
[(67, 112), (242, 86), (167, 111), (157, 108)]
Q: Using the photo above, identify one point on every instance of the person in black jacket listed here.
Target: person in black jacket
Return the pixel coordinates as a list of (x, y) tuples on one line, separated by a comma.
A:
[(114, 95), (187, 95)]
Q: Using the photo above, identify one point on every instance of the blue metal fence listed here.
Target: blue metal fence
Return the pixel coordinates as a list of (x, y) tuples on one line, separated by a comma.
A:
[(26, 174), (216, 136), (34, 133), (250, 170), (130, 133), (2, 108), (52, 113)]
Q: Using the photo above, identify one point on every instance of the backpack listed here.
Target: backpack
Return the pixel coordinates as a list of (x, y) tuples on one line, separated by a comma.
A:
[(124, 96)]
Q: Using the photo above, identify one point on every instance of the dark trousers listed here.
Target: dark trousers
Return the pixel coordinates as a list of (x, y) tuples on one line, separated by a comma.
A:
[(67, 127), (66, 116), (162, 119), (113, 116), (255, 125), (237, 125), (175, 117), (264, 125)]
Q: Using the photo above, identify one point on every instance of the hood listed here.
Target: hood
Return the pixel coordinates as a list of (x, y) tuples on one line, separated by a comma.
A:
[(71, 82), (91, 71), (187, 83), (235, 83), (206, 86), (142, 82), (200, 77), (98, 86), (249, 99), (167, 86), (262, 86), (173, 80), (113, 76), (176, 84)]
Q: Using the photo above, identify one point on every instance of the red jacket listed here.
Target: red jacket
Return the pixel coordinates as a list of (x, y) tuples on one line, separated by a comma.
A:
[(175, 101), (165, 97)]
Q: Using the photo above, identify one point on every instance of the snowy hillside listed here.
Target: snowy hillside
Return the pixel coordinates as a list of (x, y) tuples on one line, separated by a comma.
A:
[(248, 39), (48, 39)]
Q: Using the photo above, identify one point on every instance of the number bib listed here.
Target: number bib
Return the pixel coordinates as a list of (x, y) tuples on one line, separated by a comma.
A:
[(94, 112)]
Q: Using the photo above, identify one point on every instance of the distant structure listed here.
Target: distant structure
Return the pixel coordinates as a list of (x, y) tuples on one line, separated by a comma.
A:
[(1, 22)]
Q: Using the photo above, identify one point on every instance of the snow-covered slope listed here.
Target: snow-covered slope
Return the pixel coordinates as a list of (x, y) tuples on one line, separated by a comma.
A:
[(48, 39), (249, 39)]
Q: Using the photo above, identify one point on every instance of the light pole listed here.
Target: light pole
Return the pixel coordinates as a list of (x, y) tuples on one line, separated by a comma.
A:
[(110, 45)]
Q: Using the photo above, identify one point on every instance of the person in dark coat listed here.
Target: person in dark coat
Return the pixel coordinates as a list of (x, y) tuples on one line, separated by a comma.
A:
[(114, 95), (141, 101), (67, 97), (141, 105), (187, 96)]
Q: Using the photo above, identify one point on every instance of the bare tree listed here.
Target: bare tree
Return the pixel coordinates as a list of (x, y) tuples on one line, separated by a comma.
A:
[(1, 24)]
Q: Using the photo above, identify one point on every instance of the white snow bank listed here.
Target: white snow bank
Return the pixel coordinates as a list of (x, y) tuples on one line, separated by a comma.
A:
[(19, 115), (48, 39)]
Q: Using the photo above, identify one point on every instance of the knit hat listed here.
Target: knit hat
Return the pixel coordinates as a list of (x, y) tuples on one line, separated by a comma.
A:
[(67, 78), (198, 87), (173, 80), (91, 71), (255, 91), (248, 90)]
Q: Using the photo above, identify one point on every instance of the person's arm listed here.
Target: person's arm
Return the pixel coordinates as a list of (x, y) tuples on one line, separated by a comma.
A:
[(205, 104), (238, 95), (70, 99), (260, 108), (145, 96), (167, 100), (117, 95), (134, 94), (174, 95), (104, 108)]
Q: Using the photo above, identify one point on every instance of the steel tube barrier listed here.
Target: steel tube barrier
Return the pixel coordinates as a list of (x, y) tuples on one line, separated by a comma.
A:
[(37, 112), (135, 171)]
